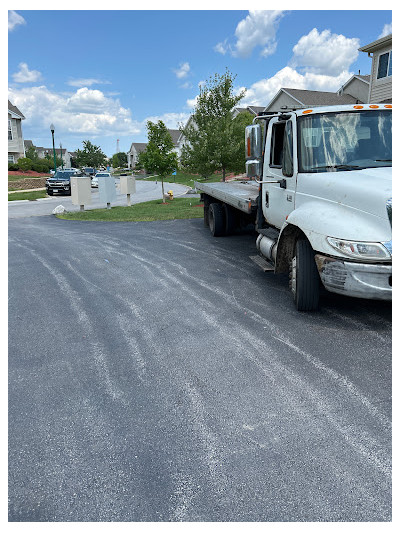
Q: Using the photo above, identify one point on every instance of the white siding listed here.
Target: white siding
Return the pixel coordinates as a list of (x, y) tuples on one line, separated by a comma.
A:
[(282, 100), (380, 89)]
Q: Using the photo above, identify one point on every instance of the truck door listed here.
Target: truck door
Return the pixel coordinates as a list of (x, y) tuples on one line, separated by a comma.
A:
[(280, 166)]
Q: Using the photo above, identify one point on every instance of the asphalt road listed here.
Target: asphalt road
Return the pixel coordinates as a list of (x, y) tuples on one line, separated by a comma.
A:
[(145, 191), (156, 374)]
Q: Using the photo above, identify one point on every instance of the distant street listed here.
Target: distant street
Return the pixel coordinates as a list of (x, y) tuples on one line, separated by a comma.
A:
[(145, 191)]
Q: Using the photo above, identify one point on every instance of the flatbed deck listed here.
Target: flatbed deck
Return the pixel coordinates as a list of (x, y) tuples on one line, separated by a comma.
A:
[(242, 195)]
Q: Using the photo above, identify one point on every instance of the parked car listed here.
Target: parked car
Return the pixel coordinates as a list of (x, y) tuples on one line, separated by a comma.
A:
[(60, 183), (89, 171), (95, 179)]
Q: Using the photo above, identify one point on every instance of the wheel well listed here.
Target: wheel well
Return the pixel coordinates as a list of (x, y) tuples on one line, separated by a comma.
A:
[(286, 247)]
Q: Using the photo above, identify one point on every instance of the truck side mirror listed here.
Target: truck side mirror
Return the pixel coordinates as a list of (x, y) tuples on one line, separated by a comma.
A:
[(253, 142), (287, 155), (253, 151)]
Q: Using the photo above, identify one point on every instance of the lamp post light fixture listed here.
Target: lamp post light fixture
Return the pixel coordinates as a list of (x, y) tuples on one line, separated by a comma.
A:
[(54, 149)]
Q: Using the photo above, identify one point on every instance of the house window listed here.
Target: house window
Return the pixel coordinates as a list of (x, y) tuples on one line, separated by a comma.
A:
[(384, 65), (10, 158), (10, 136)]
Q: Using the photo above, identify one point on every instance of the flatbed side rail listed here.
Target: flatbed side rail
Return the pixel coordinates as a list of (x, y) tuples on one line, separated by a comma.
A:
[(242, 196)]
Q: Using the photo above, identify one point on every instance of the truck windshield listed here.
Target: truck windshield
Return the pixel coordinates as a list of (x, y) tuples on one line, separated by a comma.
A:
[(345, 141)]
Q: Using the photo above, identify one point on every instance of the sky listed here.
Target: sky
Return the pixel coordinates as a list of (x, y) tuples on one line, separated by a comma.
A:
[(101, 75)]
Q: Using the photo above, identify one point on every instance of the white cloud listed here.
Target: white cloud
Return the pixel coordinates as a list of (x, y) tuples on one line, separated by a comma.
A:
[(183, 70), (87, 82), (221, 48), (171, 120), (191, 103), (262, 92), (24, 75), (387, 30), (324, 53), (257, 29), (14, 19), (87, 111), (186, 85)]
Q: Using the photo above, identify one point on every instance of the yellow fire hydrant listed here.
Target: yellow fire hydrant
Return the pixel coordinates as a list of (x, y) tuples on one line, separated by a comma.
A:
[(171, 195)]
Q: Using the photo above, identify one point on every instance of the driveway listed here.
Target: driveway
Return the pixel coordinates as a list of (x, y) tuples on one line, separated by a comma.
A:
[(156, 374), (145, 191)]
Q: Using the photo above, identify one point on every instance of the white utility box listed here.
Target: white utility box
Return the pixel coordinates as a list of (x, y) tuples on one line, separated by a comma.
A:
[(81, 193), (128, 184), (107, 191)]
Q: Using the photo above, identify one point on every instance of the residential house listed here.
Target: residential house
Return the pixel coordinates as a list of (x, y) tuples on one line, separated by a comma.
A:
[(380, 90), (253, 110), (42, 152), (134, 152), (15, 138), (287, 98), (136, 148)]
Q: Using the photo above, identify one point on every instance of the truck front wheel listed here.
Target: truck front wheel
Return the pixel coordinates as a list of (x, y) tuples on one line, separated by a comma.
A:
[(304, 277), (216, 219)]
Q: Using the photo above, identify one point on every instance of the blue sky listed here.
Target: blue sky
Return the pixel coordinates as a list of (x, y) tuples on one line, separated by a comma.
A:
[(100, 75)]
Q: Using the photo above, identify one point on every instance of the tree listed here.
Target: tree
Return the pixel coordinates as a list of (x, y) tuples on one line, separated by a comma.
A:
[(213, 139), (31, 153), (50, 157), (119, 160), (159, 156), (90, 156)]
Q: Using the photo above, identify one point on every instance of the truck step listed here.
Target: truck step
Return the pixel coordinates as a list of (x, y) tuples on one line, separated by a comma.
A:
[(262, 263)]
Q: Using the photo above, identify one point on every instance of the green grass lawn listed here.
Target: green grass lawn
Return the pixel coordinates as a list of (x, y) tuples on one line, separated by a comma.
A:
[(143, 212), (183, 178), (34, 195)]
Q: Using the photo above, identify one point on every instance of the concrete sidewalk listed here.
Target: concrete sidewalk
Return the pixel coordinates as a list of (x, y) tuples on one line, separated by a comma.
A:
[(145, 191)]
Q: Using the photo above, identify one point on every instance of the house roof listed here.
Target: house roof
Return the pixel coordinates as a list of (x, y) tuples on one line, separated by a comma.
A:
[(371, 47), (14, 109), (315, 98), (255, 109), (139, 147), (175, 134), (28, 144)]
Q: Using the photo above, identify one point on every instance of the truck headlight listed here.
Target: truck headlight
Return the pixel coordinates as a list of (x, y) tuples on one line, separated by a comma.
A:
[(360, 250)]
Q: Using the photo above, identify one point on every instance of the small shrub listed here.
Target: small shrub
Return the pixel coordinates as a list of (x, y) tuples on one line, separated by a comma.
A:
[(25, 163), (13, 166), (41, 166)]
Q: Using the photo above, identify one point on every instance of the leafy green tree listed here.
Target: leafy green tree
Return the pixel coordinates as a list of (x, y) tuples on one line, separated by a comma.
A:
[(120, 160), (159, 156), (212, 138), (50, 157), (239, 123), (31, 153), (90, 156), (25, 163)]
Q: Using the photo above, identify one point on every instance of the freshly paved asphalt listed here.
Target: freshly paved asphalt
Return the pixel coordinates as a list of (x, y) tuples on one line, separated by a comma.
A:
[(156, 374)]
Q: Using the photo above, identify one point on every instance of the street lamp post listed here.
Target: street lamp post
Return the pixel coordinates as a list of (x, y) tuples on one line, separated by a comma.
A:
[(54, 149)]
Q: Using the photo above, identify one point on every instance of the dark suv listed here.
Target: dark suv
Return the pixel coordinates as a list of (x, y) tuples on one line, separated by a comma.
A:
[(60, 182)]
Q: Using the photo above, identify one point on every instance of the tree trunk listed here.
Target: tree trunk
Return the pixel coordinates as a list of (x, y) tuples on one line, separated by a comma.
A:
[(223, 174), (162, 186)]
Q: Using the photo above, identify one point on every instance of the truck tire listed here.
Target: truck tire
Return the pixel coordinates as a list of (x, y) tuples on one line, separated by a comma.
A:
[(216, 219), (206, 214), (230, 219), (304, 277)]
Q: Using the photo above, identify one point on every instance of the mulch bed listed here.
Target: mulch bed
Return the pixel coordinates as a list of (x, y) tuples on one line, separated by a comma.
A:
[(27, 173)]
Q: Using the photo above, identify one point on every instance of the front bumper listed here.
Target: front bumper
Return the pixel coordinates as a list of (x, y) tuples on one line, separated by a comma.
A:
[(58, 188), (361, 280)]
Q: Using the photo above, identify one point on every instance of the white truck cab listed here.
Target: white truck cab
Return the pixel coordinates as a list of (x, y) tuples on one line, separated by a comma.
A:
[(325, 198)]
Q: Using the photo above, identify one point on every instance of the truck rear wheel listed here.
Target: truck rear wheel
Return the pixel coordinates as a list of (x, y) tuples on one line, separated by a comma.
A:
[(216, 219), (230, 219), (304, 277)]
